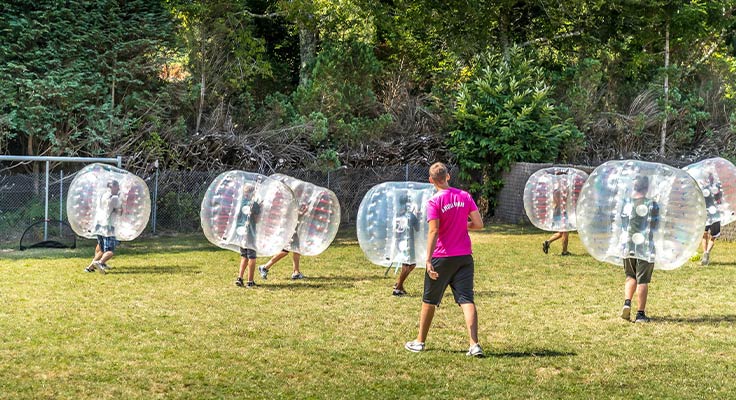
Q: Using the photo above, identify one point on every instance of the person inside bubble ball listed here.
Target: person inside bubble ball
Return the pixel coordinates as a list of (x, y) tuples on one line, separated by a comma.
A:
[(250, 210), (713, 198), (405, 224), (559, 216), (451, 213), (640, 219), (108, 209)]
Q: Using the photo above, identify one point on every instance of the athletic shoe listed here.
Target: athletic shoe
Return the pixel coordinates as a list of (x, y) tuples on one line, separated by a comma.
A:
[(297, 275), (264, 272), (91, 268), (641, 317), (100, 267), (250, 284), (399, 293), (545, 247), (626, 312), (476, 351), (565, 253), (239, 282), (414, 346), (705, 259)]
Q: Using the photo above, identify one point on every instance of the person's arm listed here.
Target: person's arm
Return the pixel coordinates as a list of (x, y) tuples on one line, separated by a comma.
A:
[(434, 227), (476, 222)]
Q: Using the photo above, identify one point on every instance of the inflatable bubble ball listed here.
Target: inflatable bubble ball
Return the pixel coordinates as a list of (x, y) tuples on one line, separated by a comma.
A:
[(717, 180), (318, 216), (643, 210), (108, 201), (551, 197), (392, 223), (248, 210)]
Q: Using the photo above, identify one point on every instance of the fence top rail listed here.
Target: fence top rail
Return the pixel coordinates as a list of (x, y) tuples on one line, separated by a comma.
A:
[(117, 160)]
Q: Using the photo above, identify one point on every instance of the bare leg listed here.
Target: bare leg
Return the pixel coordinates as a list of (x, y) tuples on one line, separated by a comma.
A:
[(554, 237), (711, 243), (471, 321), (251, 269), (704, 241), (106, 256), (629, 288), (641, 295), (425, 320), (565, 238), (243, 264), (275, 259), (295, 257), (405, 271)]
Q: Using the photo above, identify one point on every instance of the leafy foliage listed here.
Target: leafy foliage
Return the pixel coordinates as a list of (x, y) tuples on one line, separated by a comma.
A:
[(506, 114)]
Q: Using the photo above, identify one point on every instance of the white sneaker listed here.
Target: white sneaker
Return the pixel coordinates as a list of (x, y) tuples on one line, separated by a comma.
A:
[(626, 312), (100, 267), (476, 351), (264, 272), (297, 275), (414, 346)]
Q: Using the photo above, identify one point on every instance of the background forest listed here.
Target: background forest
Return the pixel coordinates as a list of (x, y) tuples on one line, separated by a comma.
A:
[(316, 84)]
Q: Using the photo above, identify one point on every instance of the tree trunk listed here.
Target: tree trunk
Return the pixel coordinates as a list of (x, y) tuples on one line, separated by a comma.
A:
[(504, 32), (307, 52), (203, 81), (663, 133)]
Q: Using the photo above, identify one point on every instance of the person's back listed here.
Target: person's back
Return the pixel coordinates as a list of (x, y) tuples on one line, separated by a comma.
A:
[(451, 207)]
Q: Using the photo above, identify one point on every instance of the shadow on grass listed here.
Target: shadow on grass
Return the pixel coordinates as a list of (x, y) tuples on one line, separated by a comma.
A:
[(516, 354), (511, 229), (704, 319), (165, 269)]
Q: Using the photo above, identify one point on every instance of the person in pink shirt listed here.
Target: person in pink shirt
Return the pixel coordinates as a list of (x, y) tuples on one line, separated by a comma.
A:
[(451, 213)]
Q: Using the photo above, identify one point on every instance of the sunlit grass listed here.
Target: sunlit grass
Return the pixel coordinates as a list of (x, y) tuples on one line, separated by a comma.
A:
[(167, 322)]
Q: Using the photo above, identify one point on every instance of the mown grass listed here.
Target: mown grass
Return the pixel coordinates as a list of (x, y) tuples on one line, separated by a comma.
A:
[(167, 322)]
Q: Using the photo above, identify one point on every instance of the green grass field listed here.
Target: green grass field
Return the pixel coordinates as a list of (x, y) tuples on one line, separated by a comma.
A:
[(167, 322)]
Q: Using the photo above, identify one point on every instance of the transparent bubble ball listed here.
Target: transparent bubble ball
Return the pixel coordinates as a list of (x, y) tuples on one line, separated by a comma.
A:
[(551, 197), (108, 201), (392, 223), (717, 180), (248, 210), (318, 216), (643, 210)]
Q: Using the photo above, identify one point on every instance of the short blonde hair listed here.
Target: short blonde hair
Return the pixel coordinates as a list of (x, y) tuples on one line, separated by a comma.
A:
[(438, 172)]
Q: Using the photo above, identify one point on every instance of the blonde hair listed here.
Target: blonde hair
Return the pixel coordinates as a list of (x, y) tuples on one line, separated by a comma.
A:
[(438, 172)]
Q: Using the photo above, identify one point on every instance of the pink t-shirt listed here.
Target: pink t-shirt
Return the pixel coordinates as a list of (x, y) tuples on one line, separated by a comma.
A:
[(452, 208)]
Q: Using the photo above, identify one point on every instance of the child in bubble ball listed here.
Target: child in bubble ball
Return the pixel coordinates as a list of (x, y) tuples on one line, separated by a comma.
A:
[(640, 218), (108, 208), (404, 227), (250, 210)]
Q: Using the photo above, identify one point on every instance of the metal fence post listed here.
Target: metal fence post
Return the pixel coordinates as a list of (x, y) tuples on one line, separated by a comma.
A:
[(46, 207), (155, 197)]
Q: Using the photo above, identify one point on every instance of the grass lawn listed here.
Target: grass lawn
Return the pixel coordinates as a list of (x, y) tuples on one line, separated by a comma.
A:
[(167, 322)]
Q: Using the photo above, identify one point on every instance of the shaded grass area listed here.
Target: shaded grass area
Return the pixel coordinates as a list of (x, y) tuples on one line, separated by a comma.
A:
[(167, 322)]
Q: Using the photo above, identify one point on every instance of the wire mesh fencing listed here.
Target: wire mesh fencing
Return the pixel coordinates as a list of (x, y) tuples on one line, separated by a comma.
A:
[(177, 195)]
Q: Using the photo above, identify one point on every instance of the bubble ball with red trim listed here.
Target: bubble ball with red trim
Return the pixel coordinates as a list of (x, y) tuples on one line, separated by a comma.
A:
[(318, 216), (108, 201), (392, 223), (717, 180), (643, 210), (551, 196), (248, 210)]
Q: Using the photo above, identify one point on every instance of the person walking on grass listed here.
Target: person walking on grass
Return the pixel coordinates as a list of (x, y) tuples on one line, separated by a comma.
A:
[(640, 217), (713, 194), (250, 212), (295, 258), (404, 225), (559, 215), (108, 209), (449, 257)]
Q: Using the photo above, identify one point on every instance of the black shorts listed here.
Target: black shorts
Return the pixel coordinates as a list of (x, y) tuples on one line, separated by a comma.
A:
[(107, 243), (714, 229), (638, 269), (248, 253), (457, 272)]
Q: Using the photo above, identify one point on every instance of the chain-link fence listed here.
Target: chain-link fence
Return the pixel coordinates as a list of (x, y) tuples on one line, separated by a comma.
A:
[(178, 195)]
